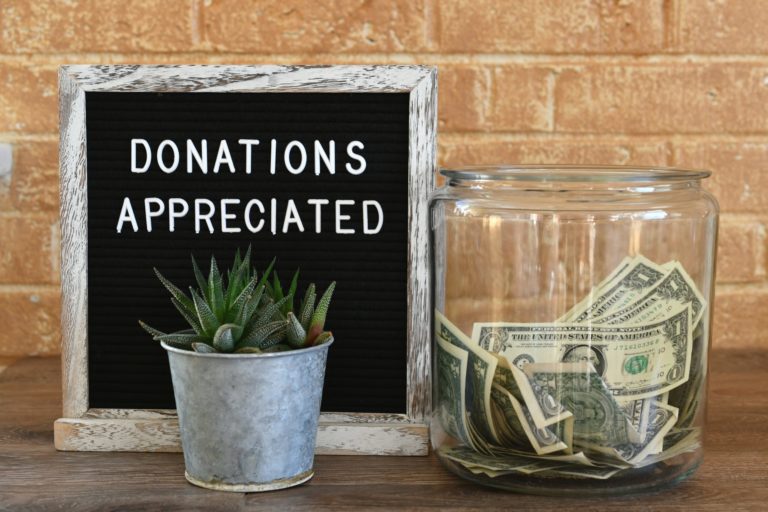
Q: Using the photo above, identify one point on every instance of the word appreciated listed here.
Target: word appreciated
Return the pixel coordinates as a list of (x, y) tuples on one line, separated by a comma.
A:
[(609, 387), (252, 214)]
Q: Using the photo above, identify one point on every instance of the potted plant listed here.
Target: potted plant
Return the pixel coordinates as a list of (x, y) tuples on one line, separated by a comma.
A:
[(247, 377)]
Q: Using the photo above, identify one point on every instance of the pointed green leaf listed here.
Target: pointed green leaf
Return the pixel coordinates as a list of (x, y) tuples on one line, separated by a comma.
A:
[(207, 319), (318, 318), (277, 288), (324, 337), (256, 336), (177, 294), (216, 291), (291, 292), (270, 312), (181, 338), (224, 339), (307, 306), (191, 318), (151, 330), (203, 348), (201, 282), (265, 275), (296, 334)]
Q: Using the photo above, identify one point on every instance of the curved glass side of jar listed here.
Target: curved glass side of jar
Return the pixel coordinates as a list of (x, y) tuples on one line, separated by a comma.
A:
[(571, 326)]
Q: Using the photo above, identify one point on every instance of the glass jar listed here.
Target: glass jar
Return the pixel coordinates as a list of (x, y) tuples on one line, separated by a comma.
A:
[(571, 326)]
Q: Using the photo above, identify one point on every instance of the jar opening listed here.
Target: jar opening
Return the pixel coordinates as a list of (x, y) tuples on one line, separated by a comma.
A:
[(574, 173)]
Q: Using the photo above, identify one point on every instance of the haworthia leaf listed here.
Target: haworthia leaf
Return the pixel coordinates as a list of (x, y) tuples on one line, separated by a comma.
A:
[(201, 283), (208, 320), (216, 291), (269, 312), (151, 330), (224, 339), (296, 334), (265, 275), (181, 338), (203, 348), (176, 292), (307, 306), (258, 334), (318, 317), (323, 337), (191, 318), (292, 292), (242, 298), (277, 288)]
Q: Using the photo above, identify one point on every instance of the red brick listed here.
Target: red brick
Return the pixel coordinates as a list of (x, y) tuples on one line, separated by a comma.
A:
[(28, 99), (740, 251), (457, 151), (739, 171), (725, 26), (656, 98), (565, 26), (25, 250), (324, 27), (463, 97), (521, 99), (30, 321), (96, 26), (741, 318)]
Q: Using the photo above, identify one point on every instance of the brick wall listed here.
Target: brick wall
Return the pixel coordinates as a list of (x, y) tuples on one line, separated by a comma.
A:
[(655, 82)]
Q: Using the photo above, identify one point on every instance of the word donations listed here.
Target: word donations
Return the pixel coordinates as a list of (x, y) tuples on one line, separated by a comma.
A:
[(248, 156)]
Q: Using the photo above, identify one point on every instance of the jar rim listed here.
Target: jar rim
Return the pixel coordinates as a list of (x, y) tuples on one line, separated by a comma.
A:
[(573, 173)]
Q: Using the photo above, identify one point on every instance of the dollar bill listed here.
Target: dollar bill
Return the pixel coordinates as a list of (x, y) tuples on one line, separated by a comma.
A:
[(481, 367), (624, 288), (544, 409), (598, 418), (451, 371), (580, 306), (634, 361), (674, 290), (517, 428), (662, 419)]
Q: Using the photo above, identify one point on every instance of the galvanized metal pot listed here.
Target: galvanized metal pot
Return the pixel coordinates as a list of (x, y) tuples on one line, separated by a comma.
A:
[(248, 421)]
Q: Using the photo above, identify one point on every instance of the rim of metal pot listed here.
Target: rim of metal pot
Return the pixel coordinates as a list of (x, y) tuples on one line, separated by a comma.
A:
[(573, 173), (218, 355)]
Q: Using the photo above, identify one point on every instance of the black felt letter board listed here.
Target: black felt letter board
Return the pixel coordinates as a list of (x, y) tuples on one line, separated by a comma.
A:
[(367, 363)]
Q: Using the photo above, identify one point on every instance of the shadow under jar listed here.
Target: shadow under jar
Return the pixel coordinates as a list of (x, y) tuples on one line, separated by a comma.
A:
[(571, 326)]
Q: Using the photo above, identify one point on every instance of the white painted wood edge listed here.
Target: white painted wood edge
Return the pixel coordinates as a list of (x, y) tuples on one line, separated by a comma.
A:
[(162, 435)]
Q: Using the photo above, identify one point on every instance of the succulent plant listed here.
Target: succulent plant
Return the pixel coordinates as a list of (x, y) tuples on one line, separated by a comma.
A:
[(239, 316), (305, 327)]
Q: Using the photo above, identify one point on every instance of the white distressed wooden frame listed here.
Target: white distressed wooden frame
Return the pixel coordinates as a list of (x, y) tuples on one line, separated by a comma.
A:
[(87, 429)]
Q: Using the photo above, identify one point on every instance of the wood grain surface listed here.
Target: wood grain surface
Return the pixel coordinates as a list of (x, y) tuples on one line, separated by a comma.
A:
[(34, 476)]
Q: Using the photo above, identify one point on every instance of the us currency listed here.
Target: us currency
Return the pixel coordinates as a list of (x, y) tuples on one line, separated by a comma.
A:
[(481, 367), (634, 361), (599, 473), (451, 378), (498, 465), (578, 387), (517, 428), (624, 288), (663, 418), (674, 290), (544, 409), (580, 306)]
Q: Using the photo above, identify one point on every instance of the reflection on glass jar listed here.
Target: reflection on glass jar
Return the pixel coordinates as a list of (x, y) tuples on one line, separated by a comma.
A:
[(572, 320)]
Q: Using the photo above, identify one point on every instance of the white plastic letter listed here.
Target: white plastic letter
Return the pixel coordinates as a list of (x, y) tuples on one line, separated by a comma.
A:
[(174, 214), (249, 143), (287, 157), (134, 144), (318, 215), (248, 206), (161, 161), (127, 214), (223, 157), (149, 212), (199, 215), (292, 216), (329, 158), (340, 217), (225, 216), (361, 168), (200, 157), (376, 205)]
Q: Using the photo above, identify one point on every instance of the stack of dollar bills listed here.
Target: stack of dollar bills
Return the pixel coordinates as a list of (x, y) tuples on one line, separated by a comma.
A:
[(605, 388)]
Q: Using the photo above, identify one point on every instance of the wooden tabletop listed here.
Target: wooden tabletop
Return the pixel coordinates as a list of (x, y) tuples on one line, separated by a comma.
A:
[(34, 476)]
